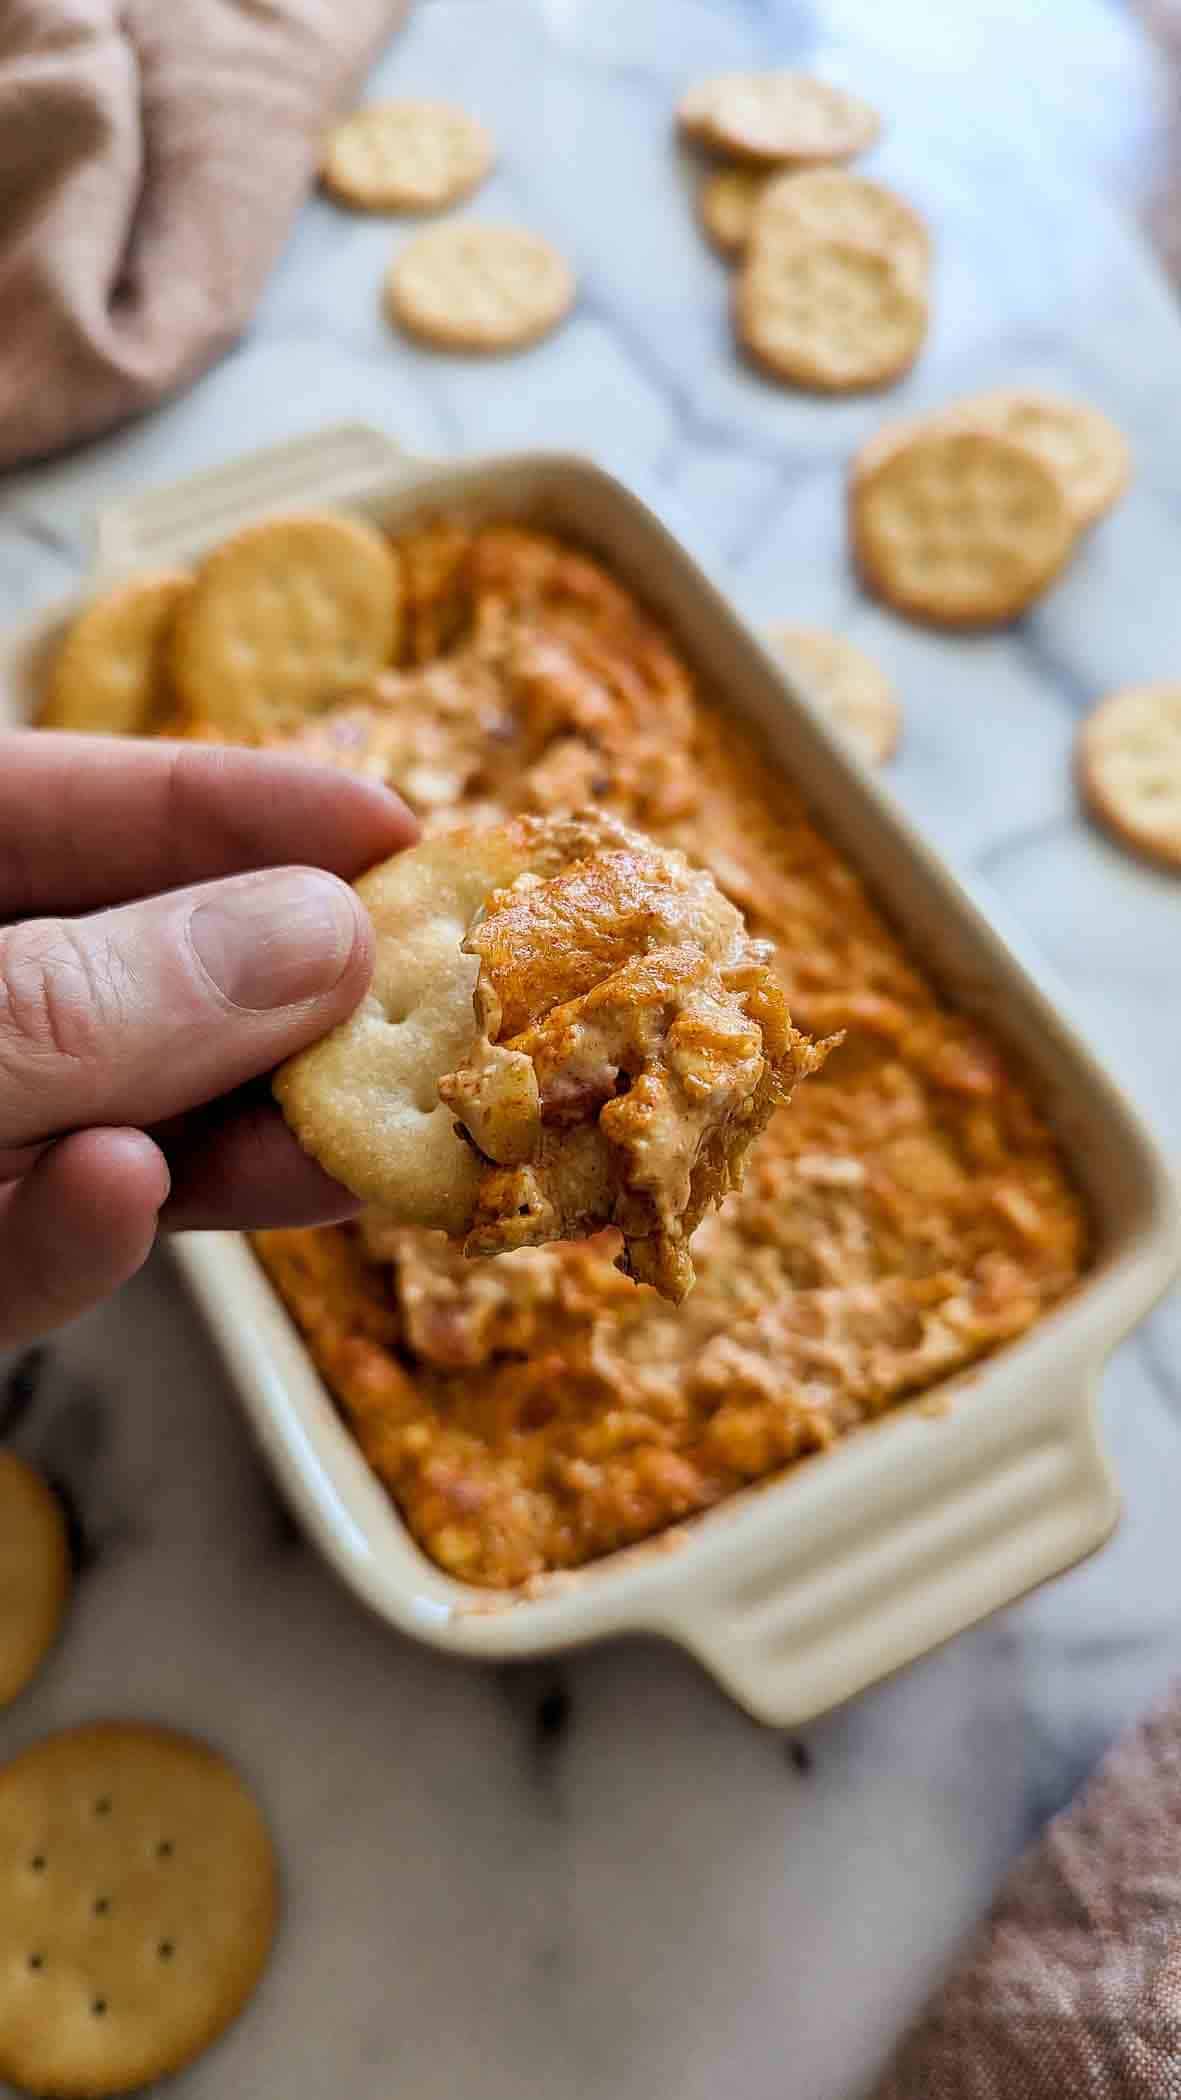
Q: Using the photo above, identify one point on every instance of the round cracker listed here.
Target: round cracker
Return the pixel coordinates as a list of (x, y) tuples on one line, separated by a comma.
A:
[(1081, 445), (819, 204), (109, 676), (282, 617), (1077, 442), (778, 118), (694, 107), (138, 1903), (364, 1101), (828, 315), (1129, 768), (406, 156), (846, 684), (467, 286), (34, 1573), (726, 203), (959, 527), (892, 437)]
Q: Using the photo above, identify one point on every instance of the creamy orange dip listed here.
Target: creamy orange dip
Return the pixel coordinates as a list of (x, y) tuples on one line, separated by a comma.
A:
[(632, 1042), (907, 1214)]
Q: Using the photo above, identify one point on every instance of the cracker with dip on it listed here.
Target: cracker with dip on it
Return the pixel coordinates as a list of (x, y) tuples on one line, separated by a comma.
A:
[(568, 1027)]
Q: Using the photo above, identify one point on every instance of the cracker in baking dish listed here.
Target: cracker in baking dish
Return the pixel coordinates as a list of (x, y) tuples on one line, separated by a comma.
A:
[(282, 617), (109, 675), (568, 1027)]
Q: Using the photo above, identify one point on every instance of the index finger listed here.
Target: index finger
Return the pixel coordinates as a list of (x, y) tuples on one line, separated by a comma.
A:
[(87, 821)]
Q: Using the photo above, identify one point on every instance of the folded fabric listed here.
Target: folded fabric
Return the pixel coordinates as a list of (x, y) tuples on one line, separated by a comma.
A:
[(1072, 1989), (151, 157)]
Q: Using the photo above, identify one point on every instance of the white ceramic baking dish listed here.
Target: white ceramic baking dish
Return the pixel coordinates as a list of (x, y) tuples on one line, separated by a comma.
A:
[(799, 1593)]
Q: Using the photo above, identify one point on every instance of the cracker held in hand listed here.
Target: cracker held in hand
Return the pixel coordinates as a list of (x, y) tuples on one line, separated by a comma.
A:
[(406, 156), (957, 527), (34, 1574), (110, 674), (1129, 768), (846, 684), (829, 315), (281, 618), (822, 204), (467, 286), (778, 118), (138, 1903), (568, 1028)]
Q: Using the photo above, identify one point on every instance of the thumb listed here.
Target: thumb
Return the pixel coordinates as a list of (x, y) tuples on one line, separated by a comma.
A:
[(129, 1016)]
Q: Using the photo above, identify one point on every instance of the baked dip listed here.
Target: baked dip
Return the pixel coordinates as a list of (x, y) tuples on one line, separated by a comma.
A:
[(906, 1215)]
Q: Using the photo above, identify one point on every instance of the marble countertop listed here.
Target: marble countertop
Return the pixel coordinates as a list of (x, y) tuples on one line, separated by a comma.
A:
[(596, 1878)]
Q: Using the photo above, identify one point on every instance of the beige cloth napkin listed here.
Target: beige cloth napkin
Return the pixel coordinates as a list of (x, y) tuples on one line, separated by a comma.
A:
[(1072, 1989), (152, 153)]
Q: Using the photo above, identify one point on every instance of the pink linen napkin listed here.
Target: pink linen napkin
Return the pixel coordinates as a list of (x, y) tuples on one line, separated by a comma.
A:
[(152, 154), (1072, 1988)]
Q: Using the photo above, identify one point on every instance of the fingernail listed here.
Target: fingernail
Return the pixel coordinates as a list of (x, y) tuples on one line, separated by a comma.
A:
[(275, 939)]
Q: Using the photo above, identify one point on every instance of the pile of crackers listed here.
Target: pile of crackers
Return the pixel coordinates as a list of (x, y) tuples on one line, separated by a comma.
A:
[(963, 517), (833, 269)]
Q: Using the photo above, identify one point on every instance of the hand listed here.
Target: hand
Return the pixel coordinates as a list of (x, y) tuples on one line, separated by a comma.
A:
[(129, 1036)]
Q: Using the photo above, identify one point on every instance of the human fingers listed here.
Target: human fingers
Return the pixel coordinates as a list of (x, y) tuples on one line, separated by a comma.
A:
[(235, 1166), (133, 1015), (79, 1223), (87, 821)]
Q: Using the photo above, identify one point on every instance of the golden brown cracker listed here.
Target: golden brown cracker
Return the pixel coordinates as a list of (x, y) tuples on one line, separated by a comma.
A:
[(778, 118), (109, 675), (282, 617), (833, 204), (406, 156), (34, 1572), (1129, 768), (469, 286), (958, 527), (726, 204), (828, 315), (138, 1904), (1077, 442), (364, 1101), (847, 685)]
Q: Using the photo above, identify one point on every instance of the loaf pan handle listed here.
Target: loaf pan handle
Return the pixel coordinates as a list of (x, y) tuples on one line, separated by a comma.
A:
[(171, 524), (816, 1615)]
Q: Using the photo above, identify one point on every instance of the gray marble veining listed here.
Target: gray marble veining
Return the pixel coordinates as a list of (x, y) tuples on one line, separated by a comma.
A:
[(595, 1878)]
